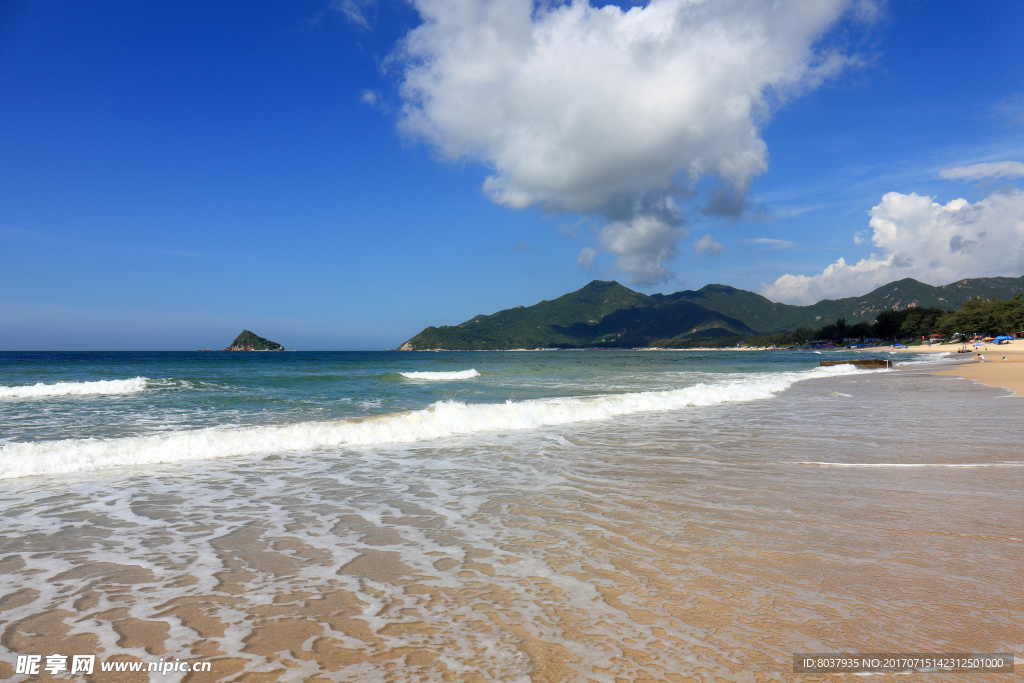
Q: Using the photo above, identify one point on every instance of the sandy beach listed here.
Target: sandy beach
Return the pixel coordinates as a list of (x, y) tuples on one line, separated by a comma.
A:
[(792, 509), (993, 370)]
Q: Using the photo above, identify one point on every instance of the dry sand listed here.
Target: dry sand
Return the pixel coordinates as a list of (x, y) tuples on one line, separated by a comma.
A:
[(993, 370)]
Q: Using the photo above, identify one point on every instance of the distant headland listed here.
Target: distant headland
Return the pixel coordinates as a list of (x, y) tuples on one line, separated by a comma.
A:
[(247, 341), (607, 315)]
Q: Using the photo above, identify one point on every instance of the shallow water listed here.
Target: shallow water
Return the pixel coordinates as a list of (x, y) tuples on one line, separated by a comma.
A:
[(683, 543)]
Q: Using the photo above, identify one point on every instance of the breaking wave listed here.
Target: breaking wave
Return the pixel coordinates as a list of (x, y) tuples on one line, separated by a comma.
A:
[(442, 419), (456, 374), (103, 386)]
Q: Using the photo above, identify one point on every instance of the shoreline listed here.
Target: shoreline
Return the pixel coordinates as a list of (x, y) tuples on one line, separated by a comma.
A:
[(993, 371)]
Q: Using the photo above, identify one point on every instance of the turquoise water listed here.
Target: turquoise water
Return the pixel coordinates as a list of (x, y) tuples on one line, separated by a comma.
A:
[(46, 398)]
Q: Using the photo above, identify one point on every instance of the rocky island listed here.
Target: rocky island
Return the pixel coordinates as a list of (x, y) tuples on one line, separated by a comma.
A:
[(247, 341)]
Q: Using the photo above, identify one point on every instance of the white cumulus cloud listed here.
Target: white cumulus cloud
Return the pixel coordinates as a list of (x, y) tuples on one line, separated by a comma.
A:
[(996, 169), (641, 245), (585, 109), (920, 238)]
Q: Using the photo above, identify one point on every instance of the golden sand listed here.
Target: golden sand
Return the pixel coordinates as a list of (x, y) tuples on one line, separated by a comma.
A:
[(997, 365)]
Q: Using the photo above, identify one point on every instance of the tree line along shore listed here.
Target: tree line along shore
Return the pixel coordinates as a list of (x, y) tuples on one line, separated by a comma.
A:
[(975, 317)]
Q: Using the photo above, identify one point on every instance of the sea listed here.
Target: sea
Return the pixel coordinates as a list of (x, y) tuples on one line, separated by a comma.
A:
[(595, 515)]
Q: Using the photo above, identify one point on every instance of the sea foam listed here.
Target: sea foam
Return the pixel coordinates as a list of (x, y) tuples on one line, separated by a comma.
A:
[(931, 358), (455, 374), (103, 386), (441, 420)]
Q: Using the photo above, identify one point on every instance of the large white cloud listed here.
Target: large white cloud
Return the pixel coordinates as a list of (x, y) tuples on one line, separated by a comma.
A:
[(919, 238), (583, 109)]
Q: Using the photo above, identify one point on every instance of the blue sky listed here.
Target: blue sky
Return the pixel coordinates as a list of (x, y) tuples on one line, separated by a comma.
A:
[(339, 175)]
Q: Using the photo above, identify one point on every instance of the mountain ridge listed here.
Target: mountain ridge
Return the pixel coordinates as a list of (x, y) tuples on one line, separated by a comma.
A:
[(607, 314)]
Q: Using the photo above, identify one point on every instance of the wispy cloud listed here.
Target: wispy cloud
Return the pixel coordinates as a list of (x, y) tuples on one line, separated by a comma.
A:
[(1012, 109), (996, 169), (706, 246), (586, 257), (852, 187), (313, 22), (571, 231), (354, 11), (769, 243)]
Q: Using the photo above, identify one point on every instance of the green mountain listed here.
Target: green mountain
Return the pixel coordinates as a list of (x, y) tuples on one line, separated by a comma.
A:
[(546, 324), (606, 314), (247, 341)]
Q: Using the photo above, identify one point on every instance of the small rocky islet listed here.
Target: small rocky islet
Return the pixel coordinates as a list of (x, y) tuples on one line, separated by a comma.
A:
[(248, 341)]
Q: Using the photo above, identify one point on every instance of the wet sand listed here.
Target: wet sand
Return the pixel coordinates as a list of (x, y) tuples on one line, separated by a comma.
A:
[(992, 371), (866, 513)]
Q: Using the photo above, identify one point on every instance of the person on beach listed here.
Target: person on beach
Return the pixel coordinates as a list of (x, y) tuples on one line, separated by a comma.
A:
[(981, 358)]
